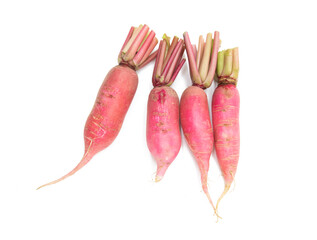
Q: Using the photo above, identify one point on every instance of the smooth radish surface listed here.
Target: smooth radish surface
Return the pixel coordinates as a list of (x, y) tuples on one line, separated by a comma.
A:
[(225, 113), (105, 120), (194, 110), (197, 129), (115, 94), (162, 129)]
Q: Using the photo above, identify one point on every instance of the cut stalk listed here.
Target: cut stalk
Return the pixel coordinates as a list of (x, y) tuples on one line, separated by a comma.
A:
[(144, 39), (171, 62), (125, 42), (170, 50), (149, 50), (136, 43), (156, 63), (137, 48), (179, 67), (205, 61), (181, 55), (228, 66), (165, 76), (148, 60), (200, 50), (220, 63), (213, 60), (235, 63), (191, 61), (227, 70), (140, 54), (134, 35), (160, 59), (195, 50), (178, 50)]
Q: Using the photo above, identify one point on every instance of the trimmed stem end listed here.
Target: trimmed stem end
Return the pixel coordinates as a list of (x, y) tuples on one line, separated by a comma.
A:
[(137, 48), (228, 66)]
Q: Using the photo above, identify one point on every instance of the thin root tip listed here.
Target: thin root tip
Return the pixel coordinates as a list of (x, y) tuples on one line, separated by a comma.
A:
[(217, 215), (44, 185), (227, 187), (158, 178)]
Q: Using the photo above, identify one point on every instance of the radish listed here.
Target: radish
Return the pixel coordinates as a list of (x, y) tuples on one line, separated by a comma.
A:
[(115, 94), (225, 112), (162, 129), (194, 111)]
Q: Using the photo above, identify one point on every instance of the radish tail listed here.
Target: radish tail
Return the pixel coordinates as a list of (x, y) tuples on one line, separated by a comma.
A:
[(86, 158), (160, 172), (205, 189), (227, 187)]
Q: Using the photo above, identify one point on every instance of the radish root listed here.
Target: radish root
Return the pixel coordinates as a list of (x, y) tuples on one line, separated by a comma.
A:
[(227, 187), (82, 163), (209, 198)]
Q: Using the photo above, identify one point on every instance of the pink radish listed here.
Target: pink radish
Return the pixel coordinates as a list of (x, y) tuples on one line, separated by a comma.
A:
[(115, 95), (194, 110), (225, 112), (162, 130)]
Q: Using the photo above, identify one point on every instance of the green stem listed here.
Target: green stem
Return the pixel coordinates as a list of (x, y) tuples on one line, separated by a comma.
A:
[(227, 70), (235, 63), (228, 66)]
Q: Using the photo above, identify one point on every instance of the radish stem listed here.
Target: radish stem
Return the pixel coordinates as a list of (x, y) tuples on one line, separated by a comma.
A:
[(136, 43), (220, 63), (227, 70), (166, 75), (160, 59), (200, 51), (235, 63), (169, 68), (191, 61), (213, 60), (179, 67), (134, 35), (205, 60), (137, 48), (125, 43), (170, 50), (139, 56), (149, 50)]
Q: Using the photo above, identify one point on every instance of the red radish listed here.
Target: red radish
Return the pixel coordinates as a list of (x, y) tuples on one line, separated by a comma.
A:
[(115, 95), (225, 112), (162, 130), (194, 110)]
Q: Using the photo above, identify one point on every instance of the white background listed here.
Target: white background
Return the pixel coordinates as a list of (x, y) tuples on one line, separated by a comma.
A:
[(53, 58)]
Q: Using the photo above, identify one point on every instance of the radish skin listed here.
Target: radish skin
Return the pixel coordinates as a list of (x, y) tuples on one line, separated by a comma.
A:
[(197, 129), (115, 95), (194, 110), (225, 112), (163, 135), (163, 131), (105, 120)]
